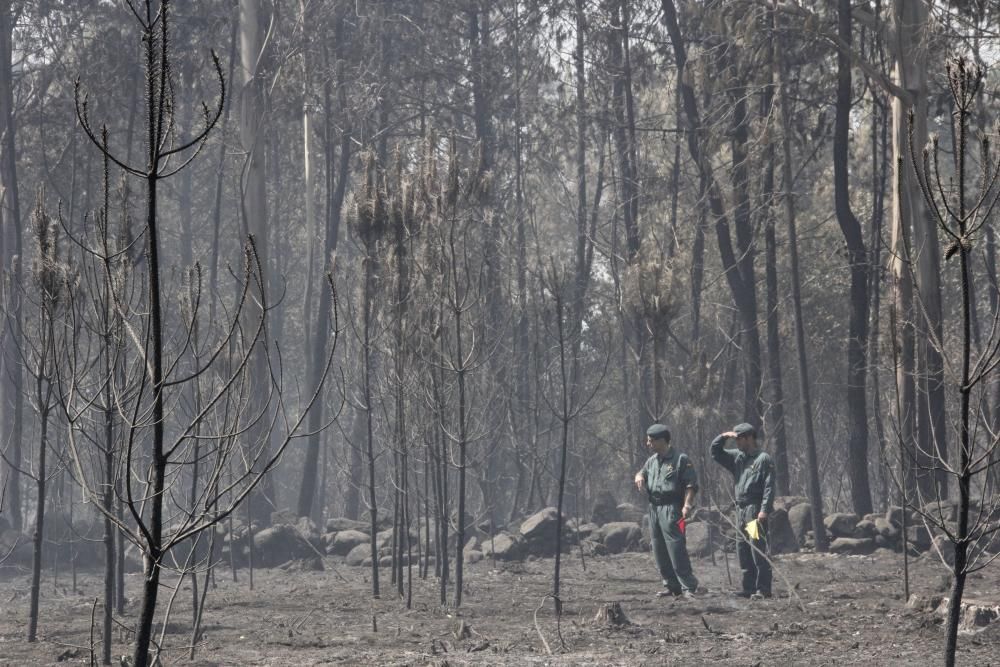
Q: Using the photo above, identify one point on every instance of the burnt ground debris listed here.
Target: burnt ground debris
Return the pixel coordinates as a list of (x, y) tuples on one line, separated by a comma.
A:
[(844, 610)]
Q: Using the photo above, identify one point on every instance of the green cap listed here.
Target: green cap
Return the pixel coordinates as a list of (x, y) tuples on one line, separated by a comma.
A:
[(658, 432), (744, 429)]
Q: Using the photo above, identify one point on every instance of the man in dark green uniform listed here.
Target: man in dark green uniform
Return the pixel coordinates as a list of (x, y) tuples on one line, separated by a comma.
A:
[(754, 473), (670, 482)]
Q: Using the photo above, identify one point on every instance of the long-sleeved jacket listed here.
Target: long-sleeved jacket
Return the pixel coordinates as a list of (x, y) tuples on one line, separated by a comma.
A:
[(754, 474), (667, 477)]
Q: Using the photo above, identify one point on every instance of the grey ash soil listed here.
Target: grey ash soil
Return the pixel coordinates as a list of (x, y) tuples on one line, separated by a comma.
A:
[(846, 610)]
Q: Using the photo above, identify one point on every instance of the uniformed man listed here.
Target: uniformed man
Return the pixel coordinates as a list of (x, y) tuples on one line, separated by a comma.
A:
[(670, 482), (754, 473)]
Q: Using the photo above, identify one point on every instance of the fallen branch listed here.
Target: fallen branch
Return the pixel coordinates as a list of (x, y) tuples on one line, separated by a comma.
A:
[(548, 650)]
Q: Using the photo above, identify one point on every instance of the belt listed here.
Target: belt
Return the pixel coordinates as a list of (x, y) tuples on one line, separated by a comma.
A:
[(663, 500), (749, 503)]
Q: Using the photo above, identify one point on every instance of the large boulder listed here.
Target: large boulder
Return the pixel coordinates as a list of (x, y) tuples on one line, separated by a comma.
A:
[(503, 547), (620, 536), (472, 556), (710, 515), (788, 502), (918, 538), (539, 533), (888, 530), (283, 516), (800, 520), (895, 515), (540, 525), (605, 509), (359, 554), (943, 510), (383, 539), (337, 524), (852, 546), (781, 538), (701, 538), (629, 512), (345, 541), (840, 524), (865, 529), (310, 532), (943, 548), (279, 544)]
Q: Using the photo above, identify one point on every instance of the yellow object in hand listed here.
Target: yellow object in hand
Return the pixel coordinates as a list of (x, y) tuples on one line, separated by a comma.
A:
[(753, 530)]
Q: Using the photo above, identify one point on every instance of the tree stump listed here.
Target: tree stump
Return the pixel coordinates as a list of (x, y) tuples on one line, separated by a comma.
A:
[(611, 614)]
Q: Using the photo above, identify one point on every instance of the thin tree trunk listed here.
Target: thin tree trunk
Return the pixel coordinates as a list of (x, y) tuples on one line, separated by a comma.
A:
[(254, 209), (779, 436), (805, 392), (336, 190), (37, 540)]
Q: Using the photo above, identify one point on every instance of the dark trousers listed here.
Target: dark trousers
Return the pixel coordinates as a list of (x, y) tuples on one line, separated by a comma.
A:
[(752, 554), (670, 549)]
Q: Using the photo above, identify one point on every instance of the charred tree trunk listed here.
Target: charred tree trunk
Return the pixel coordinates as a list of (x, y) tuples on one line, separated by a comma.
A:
[(857, 337), (12, 380)]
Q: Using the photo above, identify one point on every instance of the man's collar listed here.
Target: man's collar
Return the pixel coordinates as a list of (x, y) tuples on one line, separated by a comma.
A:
[(669, 453)]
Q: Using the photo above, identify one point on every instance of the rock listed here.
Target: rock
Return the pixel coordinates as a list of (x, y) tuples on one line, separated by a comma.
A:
[(707, 514), (592, 548), (471, 545), (283, 516), (588, 529), (619, 536), (865, 529), (629, 512), (314, 564), (924, 602), (383, 540), (386, 560), (359, 554), (345, 541), (800, 520), (472, 556), (326, 541), (540, 525), (280, 544), (307, 528), (502, 547), (539, 533), (788, 502), (895, 515), (886, 529), (852, 546), (943, 548), (781, 537), (944, 510), (337, 524), (840, 524), (882, 543), (605, 509), (701, 538), (917, 538)]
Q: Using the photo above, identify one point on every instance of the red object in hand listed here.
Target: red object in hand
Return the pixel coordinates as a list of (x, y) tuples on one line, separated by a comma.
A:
[(681, 524)]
